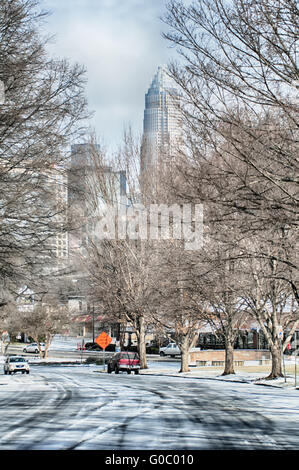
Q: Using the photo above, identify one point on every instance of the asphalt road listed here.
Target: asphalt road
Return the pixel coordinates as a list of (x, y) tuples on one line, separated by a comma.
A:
[(78, 407)]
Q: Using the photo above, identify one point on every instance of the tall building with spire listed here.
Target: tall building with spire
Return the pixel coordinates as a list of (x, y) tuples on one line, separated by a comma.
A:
[(161, 123)]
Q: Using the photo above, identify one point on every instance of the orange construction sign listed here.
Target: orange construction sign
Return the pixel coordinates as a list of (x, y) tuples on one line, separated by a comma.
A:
[(103, 340)]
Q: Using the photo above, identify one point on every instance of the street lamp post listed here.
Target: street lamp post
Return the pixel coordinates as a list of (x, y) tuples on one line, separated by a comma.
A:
[(93, 323)]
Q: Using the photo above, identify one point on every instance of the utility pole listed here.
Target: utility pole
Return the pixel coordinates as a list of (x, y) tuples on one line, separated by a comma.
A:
[(93, 322), (283, 362)]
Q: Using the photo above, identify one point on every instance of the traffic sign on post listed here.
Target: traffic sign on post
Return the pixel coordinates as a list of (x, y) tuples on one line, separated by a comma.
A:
[(103, 340)]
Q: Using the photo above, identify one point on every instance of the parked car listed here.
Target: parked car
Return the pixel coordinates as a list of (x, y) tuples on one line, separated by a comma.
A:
[(15, 364), (171, 349), (124, 361), (95, 347), (152, 350), (33, 348)]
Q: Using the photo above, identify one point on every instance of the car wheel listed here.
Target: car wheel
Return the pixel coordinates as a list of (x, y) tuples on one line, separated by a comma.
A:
[(136, 372), (162, 354), (36, 351), (27, 371), (23, 372), (24, 350), (129, 371)]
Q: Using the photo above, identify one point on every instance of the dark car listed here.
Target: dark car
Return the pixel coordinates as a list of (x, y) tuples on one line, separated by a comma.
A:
[(124, 361), (96, 347)]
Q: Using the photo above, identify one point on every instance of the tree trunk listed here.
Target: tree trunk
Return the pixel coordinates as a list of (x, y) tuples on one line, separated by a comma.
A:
[(45, 354), (184, 348), (140, 331), (41, 353), (185, 361), (122, 334), (4, 347), (48, 341), (229, 358), (276, 356)]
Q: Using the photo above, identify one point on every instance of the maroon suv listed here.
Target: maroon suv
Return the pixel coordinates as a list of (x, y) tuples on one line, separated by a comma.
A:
[(124, 361)]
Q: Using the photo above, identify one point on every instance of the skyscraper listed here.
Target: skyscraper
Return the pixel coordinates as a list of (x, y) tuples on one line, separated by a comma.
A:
[(59, 183), (161, 127)]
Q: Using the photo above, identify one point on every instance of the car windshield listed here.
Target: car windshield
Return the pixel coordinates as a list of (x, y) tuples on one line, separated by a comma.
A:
[(17, 359)]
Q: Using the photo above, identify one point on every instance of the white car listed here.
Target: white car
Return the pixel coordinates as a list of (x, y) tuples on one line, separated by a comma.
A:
[(33, 348), (15, 364), (171, 349)]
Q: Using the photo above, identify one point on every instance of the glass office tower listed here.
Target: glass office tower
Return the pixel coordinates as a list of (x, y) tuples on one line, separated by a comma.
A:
[(161, 126)]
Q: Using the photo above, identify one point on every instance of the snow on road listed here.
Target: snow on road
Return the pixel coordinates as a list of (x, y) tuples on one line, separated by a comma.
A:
[(80, 407)]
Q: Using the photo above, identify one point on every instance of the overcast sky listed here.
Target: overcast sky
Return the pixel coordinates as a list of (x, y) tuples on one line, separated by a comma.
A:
[(120, 43)]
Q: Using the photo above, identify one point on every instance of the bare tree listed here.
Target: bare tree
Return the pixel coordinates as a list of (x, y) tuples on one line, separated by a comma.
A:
[(47, 318), (271, 300), (118, 273), (8, 324), (227, 312), (177, 304), (44, 105), (238, 78), (116, 265)]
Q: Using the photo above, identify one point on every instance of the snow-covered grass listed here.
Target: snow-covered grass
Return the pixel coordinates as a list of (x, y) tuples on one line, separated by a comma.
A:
[(249, 374)]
